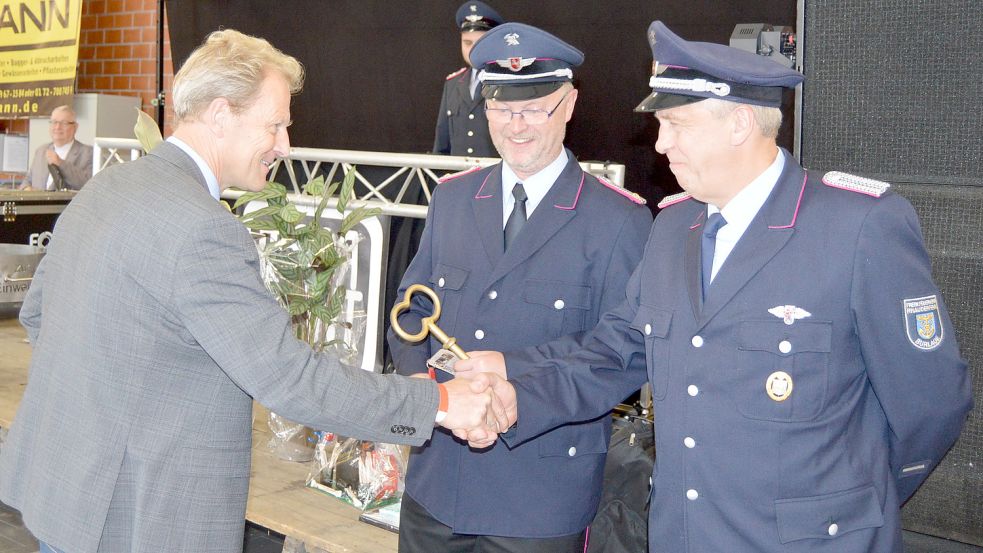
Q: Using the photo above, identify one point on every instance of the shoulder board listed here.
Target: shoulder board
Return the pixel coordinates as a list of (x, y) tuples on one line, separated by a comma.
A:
[(854, 183), (674, 199), (453, 176), (456, 73), (623, 191)]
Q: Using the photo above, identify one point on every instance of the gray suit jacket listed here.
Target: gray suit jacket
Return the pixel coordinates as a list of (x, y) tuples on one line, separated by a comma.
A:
[(152, 334), (76, 169)]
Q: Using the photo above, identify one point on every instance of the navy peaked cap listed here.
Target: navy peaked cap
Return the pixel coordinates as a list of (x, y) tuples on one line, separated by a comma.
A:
[(684, 72), (477, 16), (520, 62)]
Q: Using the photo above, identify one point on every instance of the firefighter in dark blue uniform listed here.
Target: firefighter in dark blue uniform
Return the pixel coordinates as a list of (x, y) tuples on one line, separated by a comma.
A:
[(805, 374), (520, 253), (462, 129)]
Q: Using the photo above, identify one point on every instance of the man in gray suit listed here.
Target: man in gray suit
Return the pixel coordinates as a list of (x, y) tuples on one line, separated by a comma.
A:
[(153, 334), (63, 163)]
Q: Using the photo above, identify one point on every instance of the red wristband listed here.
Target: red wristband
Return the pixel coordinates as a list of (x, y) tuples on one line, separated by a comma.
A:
[(442, 406)]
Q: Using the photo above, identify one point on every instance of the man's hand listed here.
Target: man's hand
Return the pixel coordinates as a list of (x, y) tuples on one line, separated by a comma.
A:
[(52, 157), (505, 399), (481, 362), (473, 406)]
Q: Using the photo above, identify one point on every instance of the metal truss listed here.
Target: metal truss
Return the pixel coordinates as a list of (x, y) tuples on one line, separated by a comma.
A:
[(393, 171)]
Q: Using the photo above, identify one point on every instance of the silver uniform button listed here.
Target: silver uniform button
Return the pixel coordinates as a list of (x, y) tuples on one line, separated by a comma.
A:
[(470, 150), (784, 346), (440, 282), (692, 495), (572, 451), (558, 304), (492, 295), (648, 329), (833, 529), (470, 133), (697, 341), (689, 442), (692, 390), (479, 334), (470, 116), (448, 112)]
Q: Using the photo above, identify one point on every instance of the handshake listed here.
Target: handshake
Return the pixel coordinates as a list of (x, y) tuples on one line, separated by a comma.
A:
[(481, 404)]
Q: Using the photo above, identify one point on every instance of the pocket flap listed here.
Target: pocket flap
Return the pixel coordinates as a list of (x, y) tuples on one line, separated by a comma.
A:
[(828, 516), (652, 321), (813, 336), (552, 293), (574, 440), (449, 277)]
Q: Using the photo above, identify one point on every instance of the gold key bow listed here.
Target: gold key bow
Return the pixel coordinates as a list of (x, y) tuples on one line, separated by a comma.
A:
[(427, 324)]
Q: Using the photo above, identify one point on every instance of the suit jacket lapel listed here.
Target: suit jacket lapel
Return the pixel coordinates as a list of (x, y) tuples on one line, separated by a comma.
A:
[(692, 262), (768, 233), (556, 210)]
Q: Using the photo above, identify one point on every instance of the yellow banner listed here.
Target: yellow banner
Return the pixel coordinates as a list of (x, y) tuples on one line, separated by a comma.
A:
[(38, 55)]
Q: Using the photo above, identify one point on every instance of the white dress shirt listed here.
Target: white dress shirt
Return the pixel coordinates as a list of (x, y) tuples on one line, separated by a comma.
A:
[(741, 210), (536, 186), (210, 179)]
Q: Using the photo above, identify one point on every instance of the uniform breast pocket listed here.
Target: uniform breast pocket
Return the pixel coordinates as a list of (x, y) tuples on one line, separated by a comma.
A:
[(448, 282), (562, 306), (653, 324), (783, 370)]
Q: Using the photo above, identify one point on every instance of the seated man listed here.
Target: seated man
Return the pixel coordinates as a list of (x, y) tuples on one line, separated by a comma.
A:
[(63, 163)]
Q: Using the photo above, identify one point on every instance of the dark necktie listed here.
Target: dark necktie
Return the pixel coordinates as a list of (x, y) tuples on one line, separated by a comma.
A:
[(710, 229), (518, 216)]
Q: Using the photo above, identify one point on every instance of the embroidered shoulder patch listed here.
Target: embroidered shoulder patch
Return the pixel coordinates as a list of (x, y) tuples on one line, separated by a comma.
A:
[(623, 191), (456, 73), (923, 322), (453, 176), (674, 199), (854, 183)]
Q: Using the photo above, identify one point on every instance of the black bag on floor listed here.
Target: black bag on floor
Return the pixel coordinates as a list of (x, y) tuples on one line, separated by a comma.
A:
[(621, 524)]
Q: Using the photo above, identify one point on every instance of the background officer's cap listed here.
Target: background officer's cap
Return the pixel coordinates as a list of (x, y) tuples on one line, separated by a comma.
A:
[(521, 62), (684, 72), (476, 16)]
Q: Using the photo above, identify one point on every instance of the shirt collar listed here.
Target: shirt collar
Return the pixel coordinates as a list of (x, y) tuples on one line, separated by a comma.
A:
[(63, 150), (536, 186), (742, 208), (210, 179)]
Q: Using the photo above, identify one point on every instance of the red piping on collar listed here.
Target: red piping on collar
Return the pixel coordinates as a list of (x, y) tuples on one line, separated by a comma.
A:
[(797, 205), (576, 198), (478, 195)]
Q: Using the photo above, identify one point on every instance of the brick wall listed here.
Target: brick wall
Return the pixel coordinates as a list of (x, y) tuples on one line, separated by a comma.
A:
[(118, 54)]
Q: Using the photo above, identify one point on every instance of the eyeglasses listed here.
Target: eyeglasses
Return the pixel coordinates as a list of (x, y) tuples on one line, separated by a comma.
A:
[(61, 123), (530, 116)]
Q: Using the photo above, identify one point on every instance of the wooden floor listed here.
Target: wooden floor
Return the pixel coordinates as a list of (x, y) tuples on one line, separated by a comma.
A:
[(278, 499)]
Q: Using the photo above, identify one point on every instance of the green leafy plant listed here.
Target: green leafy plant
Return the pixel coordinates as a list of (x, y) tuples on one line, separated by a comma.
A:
[(304, 265)]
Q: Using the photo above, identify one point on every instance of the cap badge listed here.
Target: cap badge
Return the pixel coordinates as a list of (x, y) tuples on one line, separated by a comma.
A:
[(789, 313), (779, 386), (923, 322), (512, 39), (473, 18), (516, 63), (474, 8)]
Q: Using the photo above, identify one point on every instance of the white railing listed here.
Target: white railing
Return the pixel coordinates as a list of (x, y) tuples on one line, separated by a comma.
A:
[(407, 171)]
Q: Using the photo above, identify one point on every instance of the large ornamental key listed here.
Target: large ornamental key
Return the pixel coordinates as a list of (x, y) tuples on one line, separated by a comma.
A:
[(428, 324)]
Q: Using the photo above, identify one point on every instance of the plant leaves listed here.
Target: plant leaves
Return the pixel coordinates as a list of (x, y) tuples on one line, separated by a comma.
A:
[(290, 214), (147, 131), (315, 187), (356, 216), (347, 190)]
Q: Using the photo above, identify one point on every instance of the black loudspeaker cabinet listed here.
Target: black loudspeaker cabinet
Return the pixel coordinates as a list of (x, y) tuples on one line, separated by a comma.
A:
[(892, 92)]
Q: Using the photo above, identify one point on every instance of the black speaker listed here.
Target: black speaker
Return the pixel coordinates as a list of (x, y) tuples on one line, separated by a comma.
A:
[(891, 92), (892, 88)]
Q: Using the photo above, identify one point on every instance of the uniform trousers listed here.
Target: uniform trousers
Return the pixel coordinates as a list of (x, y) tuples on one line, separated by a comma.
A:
[(421, 533)]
